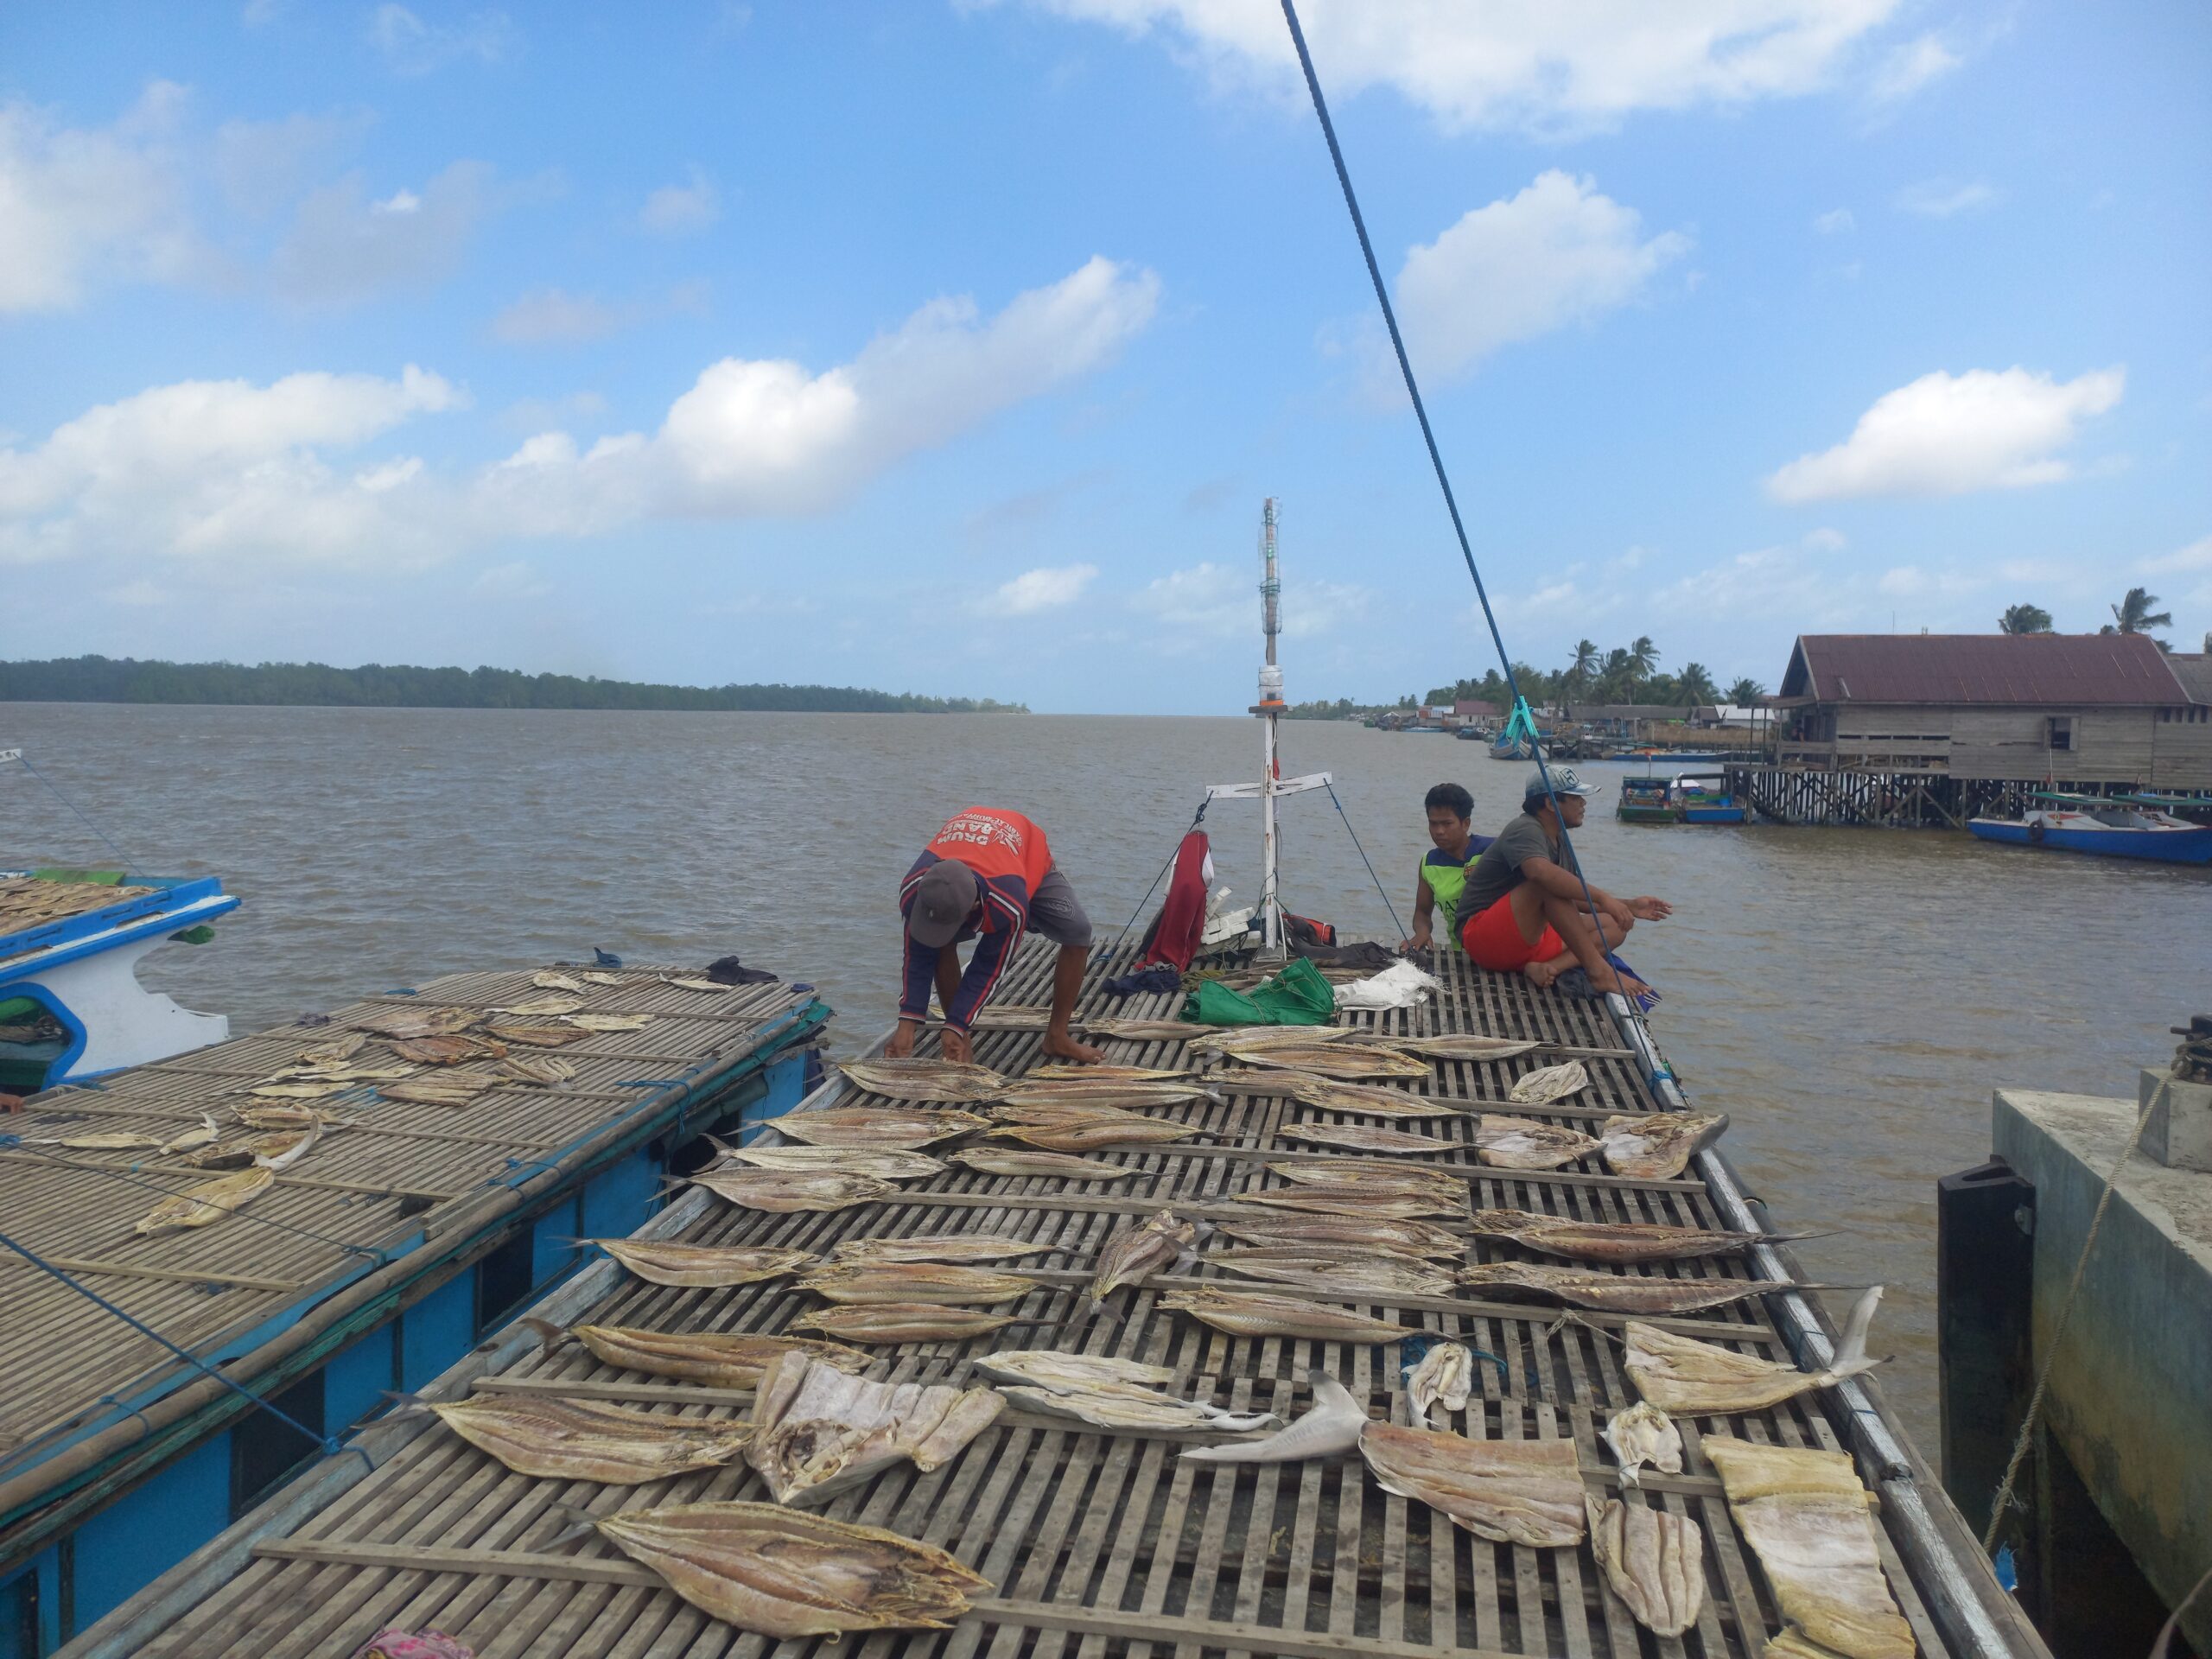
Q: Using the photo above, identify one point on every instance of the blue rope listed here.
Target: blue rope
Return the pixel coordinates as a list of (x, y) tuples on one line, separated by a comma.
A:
[(122, 857), (1427, 433), (1364, 858)]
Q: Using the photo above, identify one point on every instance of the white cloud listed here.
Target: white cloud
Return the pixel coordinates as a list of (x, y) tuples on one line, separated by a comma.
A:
[(343, 247), (1045, 589), (2197, 555), (1908, 67), (1218, 601), (259, 166), (550, 315), (1558, 252), (1835, 222), (515, 580), (1943, 198), (1947, 434), (1912, 581), (411, 47), (1542, 67), (679, 209), (1824, 540)]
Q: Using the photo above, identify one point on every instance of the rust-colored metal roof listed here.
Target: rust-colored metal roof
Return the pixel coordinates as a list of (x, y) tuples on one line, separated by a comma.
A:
[(2047, 669)]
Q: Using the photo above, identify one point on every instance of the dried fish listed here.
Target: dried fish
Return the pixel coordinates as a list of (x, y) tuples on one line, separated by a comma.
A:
[(538, 1036), (1413, 1240), (455, 1088), (1449, 1192), (197, 1206), (1653, 1561), (1011, 1017), (905, 1322), (1052, 1116), (207, 1132), (581, 1440), (262, 1115), (278, 1089), (1658, 1146), (1108, 1093), (785, 1573), (1136, 1251), (1331, 1426), (103, 1140), (1702, 1379), (1614, 1293), (1365, 1137), (1091, 1135), (1119, 1406), (227, 1152), (1509, 1492), (702, 985), (1458, 1047), (1445, 1377), (721, 1359), (1551, 1082), (1251, 1314), (1058, 1373), (1524, 1143), (1343, 1061), (784, 1191), (1237, 1039), (995, 1161), (817, 1430), (449, 1050), (1606, 1241), (939, 1247), (280, 1151), (418, 1022), (1064, 1071), (662, 1263), (1348, 1201), (1351, 1273), (937, 1283), (536, 1068), (876, 1126), (885, 1164), (552, 979), (610, 1021), (1142, 1031), (1804, 1514), (946, 1080), (1367, 1100), (602, 979), (542, 1008), (340, 1048), (1642, 1433)]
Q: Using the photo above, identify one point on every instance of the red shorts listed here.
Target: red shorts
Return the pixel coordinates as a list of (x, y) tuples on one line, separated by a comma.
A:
[(1493, 940)]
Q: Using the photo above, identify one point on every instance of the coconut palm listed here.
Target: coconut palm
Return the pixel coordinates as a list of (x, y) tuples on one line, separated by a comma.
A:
[(1745, 692), (1645, 654), (2024, 618), (2133, 615), (1580, 667), (1694, 684)]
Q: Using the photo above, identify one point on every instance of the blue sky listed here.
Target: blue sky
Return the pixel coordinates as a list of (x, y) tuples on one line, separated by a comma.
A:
[(952, 348)]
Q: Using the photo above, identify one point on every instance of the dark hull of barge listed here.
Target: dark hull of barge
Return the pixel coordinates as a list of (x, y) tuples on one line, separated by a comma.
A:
[(1101, 1542)]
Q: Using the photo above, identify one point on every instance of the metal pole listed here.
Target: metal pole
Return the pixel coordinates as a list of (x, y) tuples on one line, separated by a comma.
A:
[(1269, 708)]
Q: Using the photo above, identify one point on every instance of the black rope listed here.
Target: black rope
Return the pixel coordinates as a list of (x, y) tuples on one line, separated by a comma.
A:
[(1364, 858)]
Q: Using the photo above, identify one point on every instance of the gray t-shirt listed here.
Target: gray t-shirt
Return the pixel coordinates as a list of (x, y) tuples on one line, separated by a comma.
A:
[(1498, 871)]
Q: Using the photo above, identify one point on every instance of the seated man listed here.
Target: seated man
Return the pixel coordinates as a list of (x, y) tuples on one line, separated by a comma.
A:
[(1525, 905), (989, 875), (1443, 872)]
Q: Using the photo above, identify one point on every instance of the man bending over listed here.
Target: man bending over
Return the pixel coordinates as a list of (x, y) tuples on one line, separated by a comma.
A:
[(1524, 905), (986, 876)]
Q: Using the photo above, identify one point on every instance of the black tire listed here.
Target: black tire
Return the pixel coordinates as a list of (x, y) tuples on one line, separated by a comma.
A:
[(2034, 834)]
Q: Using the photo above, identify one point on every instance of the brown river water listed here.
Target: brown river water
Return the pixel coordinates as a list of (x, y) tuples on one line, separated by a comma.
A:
[(1850, 997)]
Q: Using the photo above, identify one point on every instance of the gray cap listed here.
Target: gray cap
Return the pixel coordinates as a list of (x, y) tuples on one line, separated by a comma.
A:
[(1565, 781), (943, 898)]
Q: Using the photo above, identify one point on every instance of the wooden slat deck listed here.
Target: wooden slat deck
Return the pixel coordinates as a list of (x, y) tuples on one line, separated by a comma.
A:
[(1099, 1543), (404, 1180)]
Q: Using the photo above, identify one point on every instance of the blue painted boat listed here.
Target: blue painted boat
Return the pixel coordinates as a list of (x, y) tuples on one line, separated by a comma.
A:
[(2115, 829), (1703, 798)]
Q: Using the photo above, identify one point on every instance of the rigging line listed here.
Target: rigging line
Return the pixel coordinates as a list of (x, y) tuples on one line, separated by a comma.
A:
[(1195, 821), (1364, 858), (122, 857), (1435, 456)]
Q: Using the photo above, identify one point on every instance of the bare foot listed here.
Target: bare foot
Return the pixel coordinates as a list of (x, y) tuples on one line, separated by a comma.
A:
[(1542, 973), (901, 1043), (1062, 1047), (957, 1047)]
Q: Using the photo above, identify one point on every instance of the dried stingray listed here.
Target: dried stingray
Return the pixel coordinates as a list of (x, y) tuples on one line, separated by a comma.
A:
[(885, 1127), (1606, 1241), (1445, 1377), (1366, 1137), (1653, 1561), (1524, 1143), (905, 1322), (1250, 1313), (784, 1191), (536, 1068), (659, 1263), (783, 1573), (543, 1007), (885, 1164), (1351, 1273), (1657, 1146), (946, 1080), (1615, 1293), (1069, 1072), (996, 1161), (608, 1021), (1551, 1082), (538, 1036), (1702, 1379), (939, 1247), (722, 1359), (448, 1050), (936, 1282), (1136, 1251), (1348, 1201), (1509, 1492), (1804, 1515), (1642, 1433), (552, 979), (1344, 1061), (1411, 1239), (1089, 1136), (418, 1022), (456, 1088), (816, 1430), (1085, 1091), (1331, 1426), (1366, 1100), (550, 1439), (197, 1206), (1460, 1047)]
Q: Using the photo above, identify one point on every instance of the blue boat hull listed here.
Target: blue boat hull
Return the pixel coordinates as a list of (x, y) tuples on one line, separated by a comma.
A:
[(2159, 846), (1712, 815)]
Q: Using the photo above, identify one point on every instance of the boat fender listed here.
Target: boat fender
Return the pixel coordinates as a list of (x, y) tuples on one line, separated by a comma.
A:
[(2035, 832)]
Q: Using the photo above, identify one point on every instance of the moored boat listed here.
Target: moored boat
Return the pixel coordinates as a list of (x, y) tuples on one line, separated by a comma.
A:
[(1704, 797), (1646, 800), (2118, 828)]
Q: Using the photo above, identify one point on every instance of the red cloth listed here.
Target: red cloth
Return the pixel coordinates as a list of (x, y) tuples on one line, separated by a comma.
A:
[(1493, 940), (1183, 915)]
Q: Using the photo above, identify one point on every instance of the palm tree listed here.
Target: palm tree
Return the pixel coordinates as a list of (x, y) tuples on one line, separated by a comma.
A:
[(2134, 614), (1645, 654), (2024, 618), (1694, 684), (1581, 666), (1617, 677)]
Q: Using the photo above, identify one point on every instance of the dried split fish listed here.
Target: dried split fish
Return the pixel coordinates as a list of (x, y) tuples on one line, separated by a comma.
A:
[(418, 1022), (1551, 1082), (1136, 1251), (1142, 1031), (663, 1263), (1348, 1201), (1653, 1561), (1449, 1192), (1804, 1514), (1606, 1241), (905, 1322), (552, 979), (1331, 1426), (994, 1160), (1249, 1313), (205, 1133), (1411, 1239), (1060, 1373), (785, 1573), (1043, 1116), (939, 1246), (104, 1140), (551, 1439), (536, 1068), (1062, 1071), (1354, 1274), (610, 1021), (941, 1285), (455, 1088), (1012, 1017), (701, 985), (1117, 1405), (1109, 1092), (1367, 1100), (885, 1164), (543, 1007), (448, 1050), (1459, 1048), (1509, 1492), (1702, 1379), (784, 1191), (262, 1115), (338, 1049), (876, 1126), (538, 1036), (602, 979), (1239, 1039), (1657, 1146), (1445, 1377), (1343, 1061), (1091, 1135), (721, 1359), (1642, 1433), (210, 1201), (1524, 1143), (946, 1080), (816, 1430), (1614, 1293), (1365, 1137), (282, 1150)]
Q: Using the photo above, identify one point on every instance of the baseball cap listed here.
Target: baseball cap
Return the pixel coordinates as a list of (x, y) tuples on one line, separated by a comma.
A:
[(1565, 781), (943, 898)]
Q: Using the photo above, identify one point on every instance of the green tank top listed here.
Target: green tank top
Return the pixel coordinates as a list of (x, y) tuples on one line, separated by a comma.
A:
[(1447, 879)]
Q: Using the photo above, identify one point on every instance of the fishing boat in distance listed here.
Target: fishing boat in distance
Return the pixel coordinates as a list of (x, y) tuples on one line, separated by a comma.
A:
[(2122, 827), (1646, 800), (1686, 797)]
